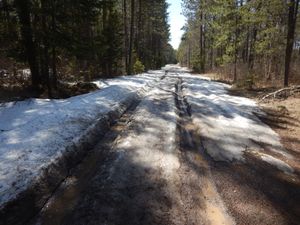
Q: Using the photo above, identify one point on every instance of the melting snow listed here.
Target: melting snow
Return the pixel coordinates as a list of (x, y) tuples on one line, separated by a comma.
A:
[(35, 131), (278, 163), (227, 123)]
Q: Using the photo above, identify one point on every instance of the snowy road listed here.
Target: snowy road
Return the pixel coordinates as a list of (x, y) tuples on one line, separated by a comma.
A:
[(143, 179), (185, 153)]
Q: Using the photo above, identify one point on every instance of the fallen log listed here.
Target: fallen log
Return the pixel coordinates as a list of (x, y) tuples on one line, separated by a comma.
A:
[(281, 93)]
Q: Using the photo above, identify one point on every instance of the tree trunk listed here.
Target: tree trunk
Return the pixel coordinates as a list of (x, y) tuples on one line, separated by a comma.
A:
[(235, 45), (5, 8), (292, 18), (54, 69), (23, 11), (189, 55), (246, 47), (211, 54), (139, 27), (45, 64), (131, 37), (252, 50), (125, 34), (202, 44)]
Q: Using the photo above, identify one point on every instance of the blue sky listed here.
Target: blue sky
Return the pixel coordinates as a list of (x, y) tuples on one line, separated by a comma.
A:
[(176, 21)]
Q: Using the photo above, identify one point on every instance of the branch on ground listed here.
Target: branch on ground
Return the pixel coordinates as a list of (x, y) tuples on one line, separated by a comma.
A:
[(281, 93)]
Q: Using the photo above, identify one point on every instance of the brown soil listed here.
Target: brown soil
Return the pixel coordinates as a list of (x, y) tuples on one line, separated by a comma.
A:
[(284, 117), (257, 193)]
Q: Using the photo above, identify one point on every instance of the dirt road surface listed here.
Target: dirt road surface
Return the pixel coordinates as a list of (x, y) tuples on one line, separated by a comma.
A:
[(187, 153)]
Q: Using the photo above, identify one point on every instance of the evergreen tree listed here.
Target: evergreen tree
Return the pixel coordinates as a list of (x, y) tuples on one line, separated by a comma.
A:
[(243, 38), (85, 38)]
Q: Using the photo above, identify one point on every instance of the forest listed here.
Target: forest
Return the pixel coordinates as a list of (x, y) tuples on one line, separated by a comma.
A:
[(81, 40), (43, 42), (248, 42), (157, 112)]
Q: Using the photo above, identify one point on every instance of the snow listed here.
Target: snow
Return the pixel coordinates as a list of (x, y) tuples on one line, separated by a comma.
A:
[(136, 81), (277, 163), (228, 124), (152, 134), (35, 132)]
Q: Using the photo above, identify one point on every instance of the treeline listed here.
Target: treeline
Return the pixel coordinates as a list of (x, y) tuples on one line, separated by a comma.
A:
[(87, 38), (249, 40)]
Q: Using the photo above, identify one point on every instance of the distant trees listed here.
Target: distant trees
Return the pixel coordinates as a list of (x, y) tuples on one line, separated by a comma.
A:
[(149, 33), (247, 39), (89, 38)]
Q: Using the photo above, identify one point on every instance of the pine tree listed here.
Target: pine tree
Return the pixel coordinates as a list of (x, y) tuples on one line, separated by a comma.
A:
[(84, 38), (245, 39)]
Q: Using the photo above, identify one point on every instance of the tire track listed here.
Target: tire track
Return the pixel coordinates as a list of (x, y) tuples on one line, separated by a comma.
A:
[(198, 191)]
